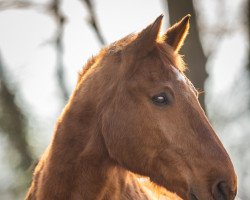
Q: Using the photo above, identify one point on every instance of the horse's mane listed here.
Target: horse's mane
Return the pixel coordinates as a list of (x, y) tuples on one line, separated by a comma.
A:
[(112, 48), (166, 52)]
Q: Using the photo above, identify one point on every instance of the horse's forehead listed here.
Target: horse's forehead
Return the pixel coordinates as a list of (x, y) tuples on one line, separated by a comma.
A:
[(166, 73), (178, 75)]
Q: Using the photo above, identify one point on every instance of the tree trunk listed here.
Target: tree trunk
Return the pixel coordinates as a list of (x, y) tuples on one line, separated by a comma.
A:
[(192, 49)]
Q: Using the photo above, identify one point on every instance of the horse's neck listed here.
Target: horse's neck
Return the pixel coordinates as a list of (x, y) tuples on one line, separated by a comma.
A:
[(76, 164)]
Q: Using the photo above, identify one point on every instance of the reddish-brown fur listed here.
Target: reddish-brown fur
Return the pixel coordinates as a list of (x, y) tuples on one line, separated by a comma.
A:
[(110, 130)]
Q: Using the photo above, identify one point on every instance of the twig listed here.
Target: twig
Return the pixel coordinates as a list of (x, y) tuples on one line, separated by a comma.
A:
[(93, 21), (60, 22), (21, 4)]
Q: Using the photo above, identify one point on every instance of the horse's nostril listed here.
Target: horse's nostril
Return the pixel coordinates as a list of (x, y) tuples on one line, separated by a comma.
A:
[(221, 191)]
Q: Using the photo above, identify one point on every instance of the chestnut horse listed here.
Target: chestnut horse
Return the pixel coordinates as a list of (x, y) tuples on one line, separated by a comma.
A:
[(133, 113)]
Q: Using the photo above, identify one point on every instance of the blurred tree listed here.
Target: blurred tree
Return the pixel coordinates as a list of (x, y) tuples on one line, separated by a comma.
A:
[(194, 54), (55, 8), (13, 121), (248, 29), (93, 20)]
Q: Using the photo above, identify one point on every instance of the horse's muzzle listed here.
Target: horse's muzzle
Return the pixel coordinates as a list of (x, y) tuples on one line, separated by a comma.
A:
[(223, 191)]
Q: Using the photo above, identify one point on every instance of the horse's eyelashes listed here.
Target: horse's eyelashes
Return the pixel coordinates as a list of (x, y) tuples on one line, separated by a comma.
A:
[(161, 99)]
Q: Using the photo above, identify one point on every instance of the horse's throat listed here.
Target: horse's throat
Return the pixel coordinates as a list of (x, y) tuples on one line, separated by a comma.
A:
[(77, 164)]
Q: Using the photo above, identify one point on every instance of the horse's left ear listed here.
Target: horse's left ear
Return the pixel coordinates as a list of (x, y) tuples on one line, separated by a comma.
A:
[(176, 34), (146, 39)]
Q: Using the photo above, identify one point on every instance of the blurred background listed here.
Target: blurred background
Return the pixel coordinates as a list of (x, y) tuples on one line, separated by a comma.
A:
[(45, 43)]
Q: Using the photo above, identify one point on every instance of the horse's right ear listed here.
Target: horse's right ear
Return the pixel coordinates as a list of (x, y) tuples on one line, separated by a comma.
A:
[(176, 34)]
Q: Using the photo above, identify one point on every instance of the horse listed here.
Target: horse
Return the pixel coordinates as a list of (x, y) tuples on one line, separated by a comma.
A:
[(133, 129)]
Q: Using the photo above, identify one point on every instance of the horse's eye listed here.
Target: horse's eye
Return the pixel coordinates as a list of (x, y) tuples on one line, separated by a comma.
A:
[(160, 99)]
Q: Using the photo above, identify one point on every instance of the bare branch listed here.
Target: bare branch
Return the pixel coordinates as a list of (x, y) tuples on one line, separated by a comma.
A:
[(54, 9), (21, 4), (60, 22), (13, 121), (93, 21)]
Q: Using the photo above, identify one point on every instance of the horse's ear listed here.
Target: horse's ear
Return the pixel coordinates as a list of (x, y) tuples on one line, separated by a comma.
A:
[(177, 33), (146, 39)]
